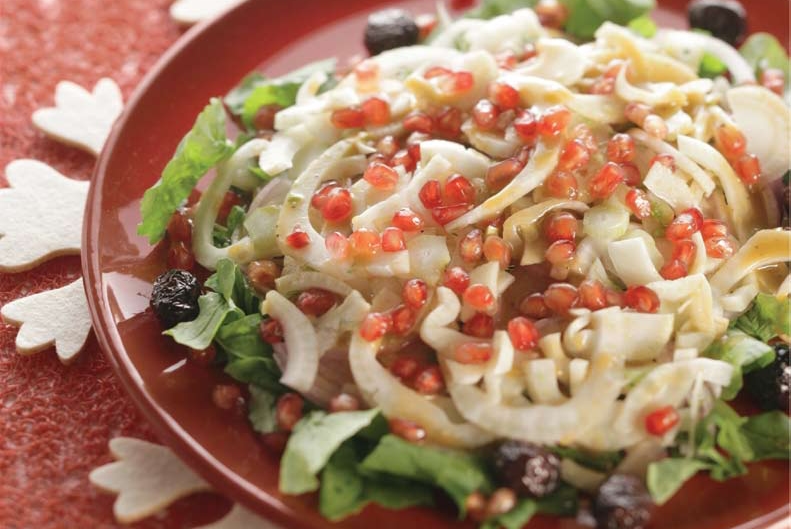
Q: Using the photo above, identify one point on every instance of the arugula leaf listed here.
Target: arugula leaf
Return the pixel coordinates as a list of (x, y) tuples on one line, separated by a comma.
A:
[(315, 438), (229, 280), (204, 146), (262, 410), (516, 518), (762, 51), (199, 333), (768, 435), (249, 357), (643, 26), (665, 477), (562, 502), (457, 473), (599, 461), (222, 234), (489, 9), (744, 354), (766, 318)]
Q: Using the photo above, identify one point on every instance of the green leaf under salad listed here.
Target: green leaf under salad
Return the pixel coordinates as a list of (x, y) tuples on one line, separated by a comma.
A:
[(204, 146), (667, 476), (762, 51), (767, 317), (261, 410), (199, 333), (744, 353), (768, 435), (562, 502), (643, 26)]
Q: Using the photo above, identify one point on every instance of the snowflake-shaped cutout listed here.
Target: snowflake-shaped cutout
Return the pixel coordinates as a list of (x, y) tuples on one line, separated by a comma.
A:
[(189, 12)]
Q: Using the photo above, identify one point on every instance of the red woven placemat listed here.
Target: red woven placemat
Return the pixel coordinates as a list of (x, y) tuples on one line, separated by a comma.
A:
[(55, 420)]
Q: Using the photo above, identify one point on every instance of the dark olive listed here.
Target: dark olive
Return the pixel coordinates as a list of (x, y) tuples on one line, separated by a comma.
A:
[(526, 468), (622, 503), (769, 386), (388, 29), (175, 297), (724, 19)]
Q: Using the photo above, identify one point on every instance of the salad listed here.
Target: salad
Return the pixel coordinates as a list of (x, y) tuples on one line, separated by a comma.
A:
[(523, 259)]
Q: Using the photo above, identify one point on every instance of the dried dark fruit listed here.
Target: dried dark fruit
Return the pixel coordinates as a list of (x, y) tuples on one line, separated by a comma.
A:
[(769, 386), (175, 297), (526, 468), (724, 19), (622, 503), (388, 29)]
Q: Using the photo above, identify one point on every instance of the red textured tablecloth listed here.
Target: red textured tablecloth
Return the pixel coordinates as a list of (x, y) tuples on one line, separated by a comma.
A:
[(55, 420)]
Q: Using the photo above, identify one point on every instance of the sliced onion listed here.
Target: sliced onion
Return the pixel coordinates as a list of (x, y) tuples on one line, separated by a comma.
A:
[(639, 337), (340, 319), (581, 477), (557, 60), (428, 257), (740, 71), (524, 225), (632, 261), (466, 161), (682, 161), (690, 299), (762, 249), (541, 382), (670, 187), (299, 281)]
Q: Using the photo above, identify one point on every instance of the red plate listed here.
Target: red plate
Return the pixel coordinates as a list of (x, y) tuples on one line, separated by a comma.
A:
[(119, 267)]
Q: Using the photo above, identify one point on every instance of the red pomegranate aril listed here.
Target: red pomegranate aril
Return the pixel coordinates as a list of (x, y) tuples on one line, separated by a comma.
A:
[(315, 301), (673, 269), (719, 247), (298, 238), (535, 307), (415, 293), (338, 245), (631, 174), (288, 411), (562, 184), (264, 118), (413, 149), (526, 127), (271, 331), (773, 79), (419, 122), (479, 297), (387, 146), (403, 319), (584, 134), (620, 148), (504, 96), (684, 250), (561, 297), (661, 421), (344, 402), (560, 252), (458, 190), (180, 256), (523, 333), (638, 203), (405, 368), (436, 71), (506, 59), (684, 225), (375, 325), (472, 353), (479, 325), (456, 279), (407, 220), (262, 274), (457, 82), (404, 159), (407, 430), (376, 111), (338, 206), (226, 396), (641, 299), (431, 194), (636, 113), (367, 71), (471, 246), (203, 357), (605, 181), (194, 198), (730, 141), (319, 198), (429, 381), (426, 22), (498, 250), (592, 294), (615, 298), (561, 226), (364, 243), (551, 13), (713, 228), (574, 156), (444, 214), (348, 118), (655, 126), (393, 240), (748, 168), (554, 120), (665, 159), (448, 123), (381, 176), (500, 174), (230, 200), (485, 115), (180, 228)]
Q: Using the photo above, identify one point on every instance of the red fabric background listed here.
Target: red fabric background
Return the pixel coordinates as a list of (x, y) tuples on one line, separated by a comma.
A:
[(55, 421)]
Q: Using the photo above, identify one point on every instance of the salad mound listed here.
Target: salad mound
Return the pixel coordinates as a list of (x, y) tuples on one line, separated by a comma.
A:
[(508, 262)]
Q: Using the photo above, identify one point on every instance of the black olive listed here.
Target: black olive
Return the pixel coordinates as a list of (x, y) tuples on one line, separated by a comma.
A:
[(526, 468), (175, 297), (769, 386), (724, 19), (622, 503), (388, 29)]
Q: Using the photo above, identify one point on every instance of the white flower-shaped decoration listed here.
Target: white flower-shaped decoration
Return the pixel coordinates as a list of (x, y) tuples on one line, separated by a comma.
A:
[(58, 317), (81, 118), (192, 11), (40, 215), (147, 478), (240, 518)]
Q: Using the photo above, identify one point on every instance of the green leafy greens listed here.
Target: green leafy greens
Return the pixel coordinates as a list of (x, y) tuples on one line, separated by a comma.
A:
[(562, 502), (744, 353), (767, 317), (762, 51)]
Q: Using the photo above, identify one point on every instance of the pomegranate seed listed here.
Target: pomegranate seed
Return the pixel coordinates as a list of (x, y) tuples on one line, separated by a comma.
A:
[(338, 245), (407, 220), (641, 299), (674, 269), (459, 190), (315, 301), (271, 331), (604, 182), (264, 118), (375, 325), (661, 421), (348, 118), (203, 357), (475, 505), (479, 297), (194, 198), (500, 174), (719, 247), (180, 256), (655, 126), (529, 51), (480, 325), (583, 133), (419, 122), (429, 381), (593, 295), (665, 159), (288, 411), (449, 123), (560, 297), (180, 228), (367, 72), (229, 200), (496, 249), (226, 396), (298, 238), (471, 246), (364, 243), (684, 225), (504, 96), (472, 353), (615, 298), (403, 319), (344, 402), (574, 156), (405, 160), (381, 176), (534, 306), (436, 71), (684, 251), (431, 194), (387, 146), (560, 252), (456, 279), (631, 174), (713, 228), (415, 293), (554, 121), (338, 206), (457, 82), (320, 197), (376, 111), (620, 148), (638, 203), (506, 60), (730, 141), (426, 22), (551, 14), (405, 368), (407, 430), (262, 274), (485, 115), (773, 79), (445, 214), (636, 113), (561, 227), (523, 333), (393, 240), (526, 126), (561, 184), (748, 168)]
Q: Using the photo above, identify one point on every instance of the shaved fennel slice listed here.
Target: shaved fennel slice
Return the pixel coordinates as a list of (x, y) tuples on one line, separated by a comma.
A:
[(381, 389), (670, 187), (578, 371), (741, 212), (785, 287), (581, 477), (428, 257), (343, 318), (650, 244), (494, 145), (660, 94), (632, 262), (389, 264), (700, 260), (523, 226), (737, 301), (636, 335), (682, 161), (558, 60), (764, 248), (454, 32), (606, 222), (300, 339), (639, 456), (537, 169), (578, 340), (541, 382), (509, 31), (741, 72), (439, 168), (378, 216), (466, 161), (487, 275), (429, 92), (690, 299), (435, 330), (260, 224), (278, 155), (551, 347), (299, 281)]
